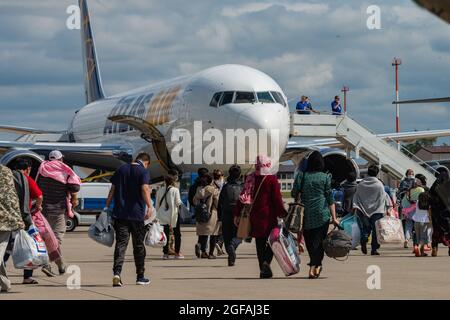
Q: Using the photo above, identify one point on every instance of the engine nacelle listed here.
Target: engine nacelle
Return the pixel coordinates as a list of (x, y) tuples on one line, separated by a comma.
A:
[(440, 167), (9, 159), (337, 164)]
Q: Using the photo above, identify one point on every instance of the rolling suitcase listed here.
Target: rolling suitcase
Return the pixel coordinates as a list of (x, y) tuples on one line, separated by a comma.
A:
[(284, 250)]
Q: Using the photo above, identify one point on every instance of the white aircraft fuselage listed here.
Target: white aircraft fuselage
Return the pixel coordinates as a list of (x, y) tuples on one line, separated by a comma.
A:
[(177, 104)]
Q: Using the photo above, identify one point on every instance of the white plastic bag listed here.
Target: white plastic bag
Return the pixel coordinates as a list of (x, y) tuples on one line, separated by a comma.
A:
[(185, 215), (29, 250), (155, 236), (102, 230), (389, 230)]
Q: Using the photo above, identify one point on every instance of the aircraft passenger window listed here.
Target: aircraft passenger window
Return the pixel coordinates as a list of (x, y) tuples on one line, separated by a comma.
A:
[(245, 97), (265, 97), (278, 97), (215, 99), (227, 97)]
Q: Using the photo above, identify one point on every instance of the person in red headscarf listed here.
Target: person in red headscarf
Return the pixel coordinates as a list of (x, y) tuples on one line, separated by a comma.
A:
[(267, 206)]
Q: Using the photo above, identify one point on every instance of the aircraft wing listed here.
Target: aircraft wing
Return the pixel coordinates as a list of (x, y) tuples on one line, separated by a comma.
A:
[(431, 100), (24, 130), (409, 136), (90, 155), (440, 8), (297, 148)]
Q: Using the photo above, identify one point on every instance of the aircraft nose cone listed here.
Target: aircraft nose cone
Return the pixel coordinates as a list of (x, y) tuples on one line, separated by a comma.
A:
[(274, 122), (257, 117)]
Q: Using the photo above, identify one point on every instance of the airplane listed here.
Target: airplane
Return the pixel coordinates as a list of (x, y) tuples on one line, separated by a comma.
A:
[(110, 130), (440, 8)]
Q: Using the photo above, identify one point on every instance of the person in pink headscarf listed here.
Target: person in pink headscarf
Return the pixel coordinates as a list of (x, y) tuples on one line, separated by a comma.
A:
[(59, 185), (267, 206)]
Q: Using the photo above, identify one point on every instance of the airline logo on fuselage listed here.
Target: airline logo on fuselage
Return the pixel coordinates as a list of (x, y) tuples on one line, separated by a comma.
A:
[(153, 108)]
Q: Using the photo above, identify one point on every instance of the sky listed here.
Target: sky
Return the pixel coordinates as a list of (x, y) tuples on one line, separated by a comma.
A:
[(308, 47)]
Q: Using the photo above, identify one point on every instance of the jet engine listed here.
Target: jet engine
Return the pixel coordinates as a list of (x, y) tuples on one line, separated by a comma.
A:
[(9, 159)]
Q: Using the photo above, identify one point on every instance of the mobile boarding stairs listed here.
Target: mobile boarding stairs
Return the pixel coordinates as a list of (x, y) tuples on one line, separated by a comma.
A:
[(362, 141)]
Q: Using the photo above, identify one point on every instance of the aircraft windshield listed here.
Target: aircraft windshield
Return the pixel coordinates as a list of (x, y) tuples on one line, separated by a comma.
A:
[(227, 97), (215, 99), (245, 97), (265, 97), (223, 98), (279, 98)]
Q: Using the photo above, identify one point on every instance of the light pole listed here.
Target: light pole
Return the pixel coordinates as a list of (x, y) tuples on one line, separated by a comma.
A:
[(345, 89), (395, 63)]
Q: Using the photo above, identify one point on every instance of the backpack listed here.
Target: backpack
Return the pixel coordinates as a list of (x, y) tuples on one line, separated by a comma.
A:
[(337, 244), (202, 214), (233, 192)]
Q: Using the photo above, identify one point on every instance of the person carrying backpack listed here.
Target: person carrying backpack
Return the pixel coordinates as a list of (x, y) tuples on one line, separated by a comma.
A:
[(168, 201), (206, 201), (191, 194), (227, 201)]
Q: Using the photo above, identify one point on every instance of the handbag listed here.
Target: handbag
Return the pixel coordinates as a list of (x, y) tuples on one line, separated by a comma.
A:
[(337, 244), (294, 219), (245, 227)]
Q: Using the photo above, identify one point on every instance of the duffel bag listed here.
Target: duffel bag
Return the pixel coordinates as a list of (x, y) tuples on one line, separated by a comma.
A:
[(337, 244)]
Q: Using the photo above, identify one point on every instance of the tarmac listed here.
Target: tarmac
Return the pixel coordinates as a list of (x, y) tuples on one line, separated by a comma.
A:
[(402, 276)]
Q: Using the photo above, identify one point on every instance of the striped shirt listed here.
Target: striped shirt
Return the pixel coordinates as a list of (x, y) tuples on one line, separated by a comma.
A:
[(55, 195)]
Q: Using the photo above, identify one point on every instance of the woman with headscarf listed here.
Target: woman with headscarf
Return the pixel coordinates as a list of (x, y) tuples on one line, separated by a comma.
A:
[(440, 215), (266, 206), (314, 186)]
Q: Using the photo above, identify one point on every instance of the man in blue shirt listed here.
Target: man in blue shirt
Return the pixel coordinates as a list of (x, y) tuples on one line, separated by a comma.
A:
[(336, 108), (132, 206), (304, 106)]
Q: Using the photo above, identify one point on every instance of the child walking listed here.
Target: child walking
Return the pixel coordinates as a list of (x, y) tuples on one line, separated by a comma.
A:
[(422, 224)]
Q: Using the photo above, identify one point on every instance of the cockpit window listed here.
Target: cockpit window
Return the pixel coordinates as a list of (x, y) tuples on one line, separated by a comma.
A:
[(215, 99), (278, 97), (245, 97), (265, 97), (227, 97)]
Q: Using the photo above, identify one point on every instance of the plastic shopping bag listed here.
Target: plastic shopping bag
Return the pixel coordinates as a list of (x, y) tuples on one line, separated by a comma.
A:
[(102, 230), (48, 235), (389, 230), (351, 227), (29, 250), (155, 236)]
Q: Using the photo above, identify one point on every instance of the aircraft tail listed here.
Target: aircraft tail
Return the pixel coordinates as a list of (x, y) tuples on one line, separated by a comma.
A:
[(92, 79)]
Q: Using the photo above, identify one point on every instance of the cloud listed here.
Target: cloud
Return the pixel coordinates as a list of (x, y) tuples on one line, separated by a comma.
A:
[(254, 7), (309, 48)]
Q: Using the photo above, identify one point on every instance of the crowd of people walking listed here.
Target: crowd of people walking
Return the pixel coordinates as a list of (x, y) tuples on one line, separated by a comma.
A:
[(227, 211)]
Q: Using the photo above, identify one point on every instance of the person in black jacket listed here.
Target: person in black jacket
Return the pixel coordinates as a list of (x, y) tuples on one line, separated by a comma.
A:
[(192, 191), (440, 215), (227, 201), (349, 187)]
